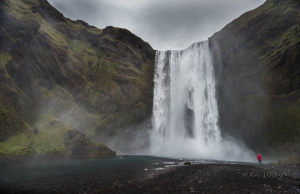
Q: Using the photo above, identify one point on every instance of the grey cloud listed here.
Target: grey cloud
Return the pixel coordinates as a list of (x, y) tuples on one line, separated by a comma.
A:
[(92, 11), (168, 24)]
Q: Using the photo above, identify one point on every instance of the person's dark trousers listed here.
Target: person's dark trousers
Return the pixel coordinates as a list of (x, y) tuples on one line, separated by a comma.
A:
[(259, 162)]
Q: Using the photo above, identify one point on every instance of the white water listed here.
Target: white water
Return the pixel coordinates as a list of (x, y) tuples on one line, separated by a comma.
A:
[(185, 112)]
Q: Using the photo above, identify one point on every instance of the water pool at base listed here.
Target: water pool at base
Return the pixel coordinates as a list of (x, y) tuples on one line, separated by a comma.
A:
[(66, 175)]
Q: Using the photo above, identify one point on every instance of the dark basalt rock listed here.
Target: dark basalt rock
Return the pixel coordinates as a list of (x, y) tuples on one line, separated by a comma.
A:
[(86, 148), (187, 163), (257, 70), (80, 146), (71, 134), (36, 131)]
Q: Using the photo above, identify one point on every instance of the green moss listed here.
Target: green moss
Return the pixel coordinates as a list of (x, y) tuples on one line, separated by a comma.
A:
[(289, 161), (69, 71), (31, 2), (53, 35), (17, 144), (286, 124), (17, 7), (4, 58), (10, 121), (142, 105), (46, 94), (49, 139)]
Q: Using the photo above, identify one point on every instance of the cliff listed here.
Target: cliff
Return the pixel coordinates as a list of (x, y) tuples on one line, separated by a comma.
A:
[(95, 81), (257, 66), (62, 81)]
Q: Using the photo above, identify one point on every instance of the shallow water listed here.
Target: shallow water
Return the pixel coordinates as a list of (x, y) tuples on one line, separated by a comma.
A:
[(65, 175)]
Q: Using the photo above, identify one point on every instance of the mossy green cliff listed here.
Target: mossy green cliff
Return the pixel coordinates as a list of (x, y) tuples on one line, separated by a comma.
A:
[(61, 79), (89, 79), (51, 136), (257, 64)]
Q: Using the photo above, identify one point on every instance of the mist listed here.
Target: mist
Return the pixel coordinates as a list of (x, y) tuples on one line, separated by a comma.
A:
[(185, 120), (226, 150), (133, 140)]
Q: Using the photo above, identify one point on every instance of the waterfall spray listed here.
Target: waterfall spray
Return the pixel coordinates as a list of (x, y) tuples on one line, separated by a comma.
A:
[(185, 112)]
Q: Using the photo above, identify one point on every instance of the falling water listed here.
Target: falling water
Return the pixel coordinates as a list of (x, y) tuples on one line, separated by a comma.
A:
[(185, 112)]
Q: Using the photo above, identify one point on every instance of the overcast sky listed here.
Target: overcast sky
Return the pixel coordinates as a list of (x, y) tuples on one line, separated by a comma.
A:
[(164, 24)]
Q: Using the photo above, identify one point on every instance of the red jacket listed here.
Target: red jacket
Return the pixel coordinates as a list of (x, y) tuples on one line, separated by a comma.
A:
[(258, 157)]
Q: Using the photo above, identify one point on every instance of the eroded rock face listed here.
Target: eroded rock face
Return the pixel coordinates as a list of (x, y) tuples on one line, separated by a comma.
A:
[(90, 79), (80, 146), (257, 59)]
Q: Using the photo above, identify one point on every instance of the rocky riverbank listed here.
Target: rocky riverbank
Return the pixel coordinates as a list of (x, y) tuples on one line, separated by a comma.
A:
[(220, 178), (7, 159)]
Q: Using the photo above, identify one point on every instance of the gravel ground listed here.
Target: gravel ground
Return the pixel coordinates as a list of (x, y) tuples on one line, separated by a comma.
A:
[(197, 178), (7, 159), (219, 178)]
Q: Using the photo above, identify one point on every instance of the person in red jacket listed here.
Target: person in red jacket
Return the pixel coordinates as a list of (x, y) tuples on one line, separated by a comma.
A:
[(258, 157)]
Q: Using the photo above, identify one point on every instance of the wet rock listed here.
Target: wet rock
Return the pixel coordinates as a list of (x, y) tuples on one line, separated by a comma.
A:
[(71, 134), (54, 122), (7, 159), (36, 131), (187, 163), (87, 149)]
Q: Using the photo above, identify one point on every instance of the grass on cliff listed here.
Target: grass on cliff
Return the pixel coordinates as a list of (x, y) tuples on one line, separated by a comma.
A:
[(287, 125), (17, 144), (54, 36), (11, 122), (4, 58), (109, 85), (19, 10), (48, 140)]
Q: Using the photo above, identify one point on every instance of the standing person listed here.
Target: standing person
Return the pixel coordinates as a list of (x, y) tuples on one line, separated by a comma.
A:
[(258, 157)]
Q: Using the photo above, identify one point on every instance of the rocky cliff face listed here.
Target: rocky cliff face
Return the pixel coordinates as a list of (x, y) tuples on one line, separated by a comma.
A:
[(95, 81), (58, 75), (257, 64)]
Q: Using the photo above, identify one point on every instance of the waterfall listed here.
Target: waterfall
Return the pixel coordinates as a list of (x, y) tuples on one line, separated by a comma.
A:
[(185, 111)]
